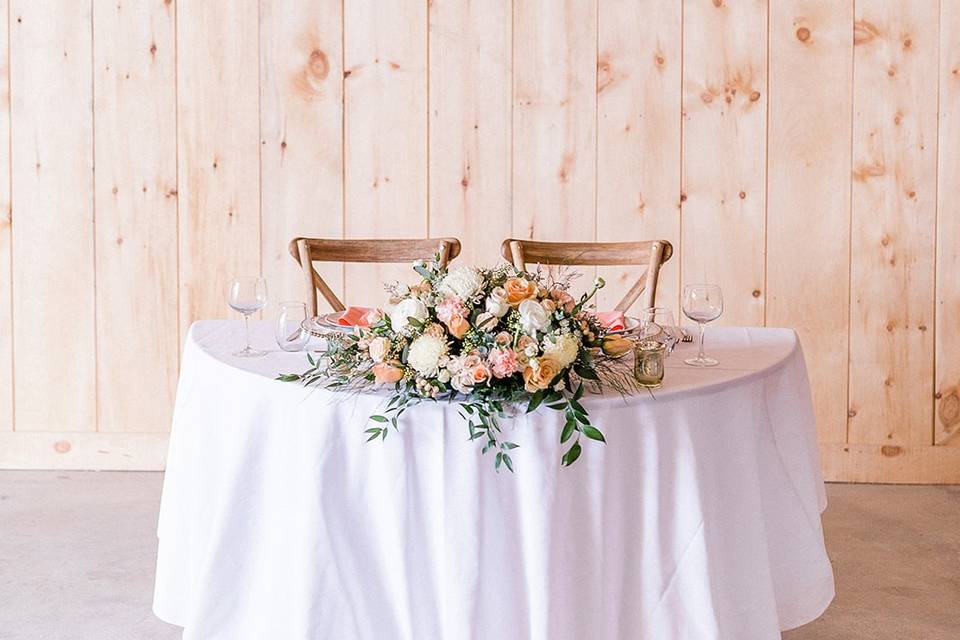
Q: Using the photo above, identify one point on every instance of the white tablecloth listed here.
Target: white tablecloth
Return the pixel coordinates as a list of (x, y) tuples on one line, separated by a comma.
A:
[(699, 519)]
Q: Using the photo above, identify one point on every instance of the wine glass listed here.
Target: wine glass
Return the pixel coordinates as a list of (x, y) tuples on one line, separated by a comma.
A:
[(657, 323), (247, 294), (290, 333), (702, 303)]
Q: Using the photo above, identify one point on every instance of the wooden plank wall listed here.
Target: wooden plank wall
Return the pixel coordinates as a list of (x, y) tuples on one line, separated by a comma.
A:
[(803, 154)]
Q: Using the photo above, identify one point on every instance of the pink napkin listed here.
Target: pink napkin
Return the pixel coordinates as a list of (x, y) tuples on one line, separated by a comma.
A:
[(354, 317), (612, 320)]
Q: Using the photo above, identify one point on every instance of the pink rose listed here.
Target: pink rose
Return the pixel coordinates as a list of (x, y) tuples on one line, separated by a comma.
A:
[(480, 374), (563, 299)]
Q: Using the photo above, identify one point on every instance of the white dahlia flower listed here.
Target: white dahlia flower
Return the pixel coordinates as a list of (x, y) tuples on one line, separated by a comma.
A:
[(425, 354), (563, 348), (461, 281), (533, 317)]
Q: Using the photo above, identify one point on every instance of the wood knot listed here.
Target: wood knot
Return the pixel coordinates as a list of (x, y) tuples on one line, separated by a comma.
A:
[(756, 293), (318, 65), (659, 60), (803, 34), (897, 118), (743, 195), (890, 451), (465, 182), (115, 190), (683, 197), (891, 326), (707, 97), (922, 327), (851, 413), (912, 194), (907, 43), (754, 96), (394, 65), (863, 172), (604, 72), (153, 49), (885, 241), (346, 73), (61, 446), (119, 241), (718, 3), (864, 32), (888, 381), (283, 145), (950, 410), (891, 71)]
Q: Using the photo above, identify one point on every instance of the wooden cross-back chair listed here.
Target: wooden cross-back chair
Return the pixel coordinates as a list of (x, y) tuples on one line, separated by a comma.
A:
[(306, 251), (650, 253)]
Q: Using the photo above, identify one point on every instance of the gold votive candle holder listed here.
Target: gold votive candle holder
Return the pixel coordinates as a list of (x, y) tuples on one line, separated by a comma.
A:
[(648, 363)]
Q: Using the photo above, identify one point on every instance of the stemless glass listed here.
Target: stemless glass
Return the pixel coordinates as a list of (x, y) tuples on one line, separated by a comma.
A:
[(247, 294), (657, 323), (702, 303), (291, 336)]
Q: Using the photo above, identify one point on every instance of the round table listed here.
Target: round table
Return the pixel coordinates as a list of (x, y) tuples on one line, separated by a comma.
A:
[(699, 519)]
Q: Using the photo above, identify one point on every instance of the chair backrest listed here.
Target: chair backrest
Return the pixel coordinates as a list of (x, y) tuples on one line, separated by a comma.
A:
[(650, 253), (306, 251)]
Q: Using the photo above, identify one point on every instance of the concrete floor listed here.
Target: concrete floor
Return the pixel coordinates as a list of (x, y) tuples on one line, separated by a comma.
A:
[(77, 559)]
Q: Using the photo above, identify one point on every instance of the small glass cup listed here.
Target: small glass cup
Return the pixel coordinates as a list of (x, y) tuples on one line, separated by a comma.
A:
[(657, 323), (648, 363), (290, 332)]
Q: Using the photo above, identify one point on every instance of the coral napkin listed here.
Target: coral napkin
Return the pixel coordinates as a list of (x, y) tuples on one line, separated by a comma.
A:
[(354, 317), (612, 320)]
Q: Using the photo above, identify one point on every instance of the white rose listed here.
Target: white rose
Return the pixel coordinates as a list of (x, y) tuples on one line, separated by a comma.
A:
[(533, 317), (564, 349), (461, 281), (379, 348), (444, 376), (407, 308), (425, 354)]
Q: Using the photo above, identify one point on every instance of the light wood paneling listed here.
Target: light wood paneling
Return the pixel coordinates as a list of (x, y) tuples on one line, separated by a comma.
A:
[(890, 463), (6, 312), (93, 451), (385, 133), (808, 211), (791, 152), (638, 136), (724, 153), (894, 200), (554, 122), (136, 208), (470, 124), (301, 96), (52, 207), (218, 151), (948, 233)]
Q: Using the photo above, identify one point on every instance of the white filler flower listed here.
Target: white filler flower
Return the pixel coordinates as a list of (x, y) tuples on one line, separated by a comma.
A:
[(533, 317), (408, 308), (425, 354), (461, 281), (563, 348)]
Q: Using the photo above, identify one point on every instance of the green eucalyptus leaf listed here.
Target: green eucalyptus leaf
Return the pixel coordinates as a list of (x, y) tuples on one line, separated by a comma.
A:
[(567, 431), (378, 418), (535, 401)]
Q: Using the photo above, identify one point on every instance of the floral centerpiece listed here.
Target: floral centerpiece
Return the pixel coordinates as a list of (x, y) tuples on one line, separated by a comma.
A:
[(487, 339)]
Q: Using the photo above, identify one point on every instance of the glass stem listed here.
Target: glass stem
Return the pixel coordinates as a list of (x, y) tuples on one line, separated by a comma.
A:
[(703, 327), (246, 331)]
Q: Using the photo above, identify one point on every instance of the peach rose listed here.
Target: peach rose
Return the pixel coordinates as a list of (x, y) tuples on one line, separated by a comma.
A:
[(518, 290), (435, 329), (480, 374), (386, 373), (563, 299), (539, 376), (458, 326), (503, 338)]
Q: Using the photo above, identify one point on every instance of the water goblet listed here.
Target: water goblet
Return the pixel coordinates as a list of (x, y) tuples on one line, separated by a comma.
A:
[(657, 323), (247, 295), (702, 303), (290, 332)]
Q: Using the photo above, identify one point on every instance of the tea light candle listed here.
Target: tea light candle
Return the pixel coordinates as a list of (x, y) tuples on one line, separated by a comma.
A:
[(648, 363)]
